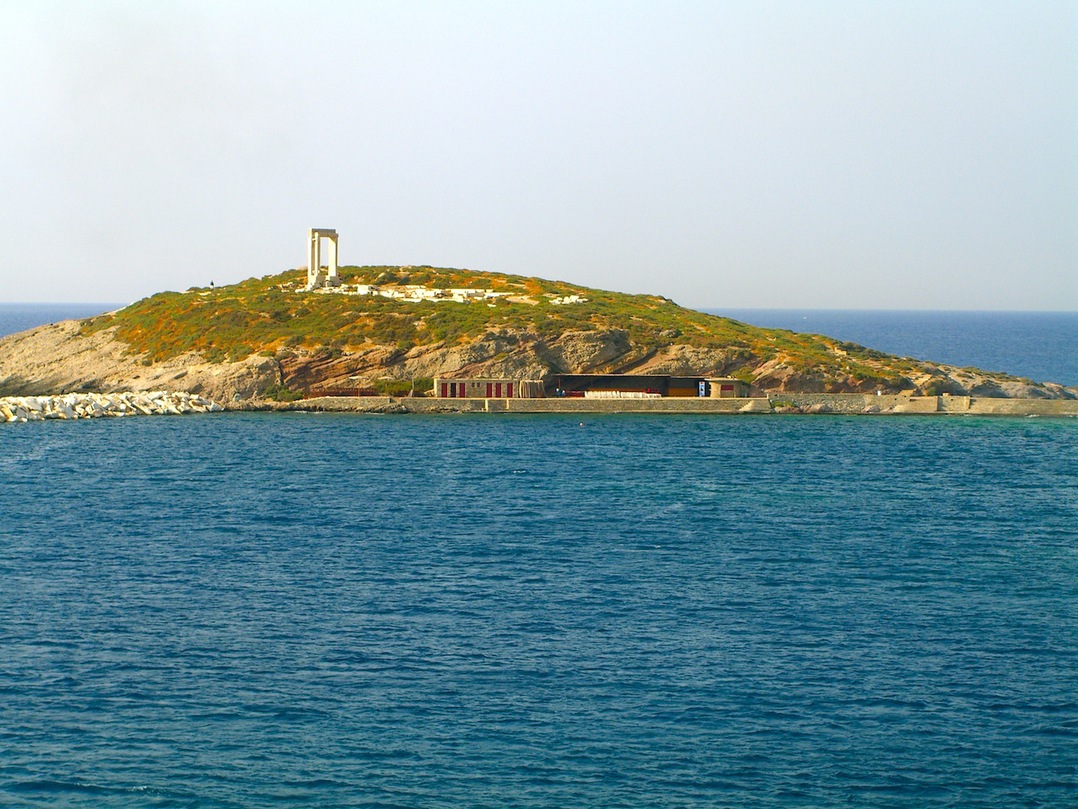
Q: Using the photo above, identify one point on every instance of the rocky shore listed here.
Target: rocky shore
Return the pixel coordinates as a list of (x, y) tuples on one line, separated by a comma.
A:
[(63, 357), (99, 405)]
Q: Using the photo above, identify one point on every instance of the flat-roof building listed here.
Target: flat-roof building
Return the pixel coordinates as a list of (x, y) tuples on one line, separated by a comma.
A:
[(650, 384)]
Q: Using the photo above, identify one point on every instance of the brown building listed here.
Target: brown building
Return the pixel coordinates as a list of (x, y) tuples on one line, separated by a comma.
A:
[(463, 388)]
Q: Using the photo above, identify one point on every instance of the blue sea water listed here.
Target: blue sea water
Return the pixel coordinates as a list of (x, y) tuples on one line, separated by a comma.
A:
[(16, 317), (442, 611), (1042, 346)]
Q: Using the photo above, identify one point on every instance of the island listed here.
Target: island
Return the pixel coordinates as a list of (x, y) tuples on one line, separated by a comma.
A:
[(384, 334)]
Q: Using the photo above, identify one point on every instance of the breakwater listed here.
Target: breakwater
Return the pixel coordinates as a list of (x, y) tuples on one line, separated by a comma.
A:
[(96, 405), (99, 405), (783, 403)]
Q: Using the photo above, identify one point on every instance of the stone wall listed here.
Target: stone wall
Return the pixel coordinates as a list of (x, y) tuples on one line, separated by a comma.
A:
[(856, 403), (1024, 407), (824, 402), (664, 405), (89, 405), (384, 404), (838, 403)]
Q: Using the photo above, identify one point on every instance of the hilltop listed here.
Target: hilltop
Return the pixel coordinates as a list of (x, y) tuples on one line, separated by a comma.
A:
[(400, 326)]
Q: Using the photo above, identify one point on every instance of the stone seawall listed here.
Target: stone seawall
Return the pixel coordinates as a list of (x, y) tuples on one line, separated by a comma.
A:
[(392, 404), (94, 405), (1023, 407), (667, 405), (837, 403), (859, 403), (98, 405), (855, 403)]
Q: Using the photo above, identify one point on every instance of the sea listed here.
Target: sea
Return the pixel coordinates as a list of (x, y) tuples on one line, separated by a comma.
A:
[(16, 317), (1042, 346), (354, 610)]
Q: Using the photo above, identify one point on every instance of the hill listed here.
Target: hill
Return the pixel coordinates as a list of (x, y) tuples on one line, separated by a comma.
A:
[(391, 329)]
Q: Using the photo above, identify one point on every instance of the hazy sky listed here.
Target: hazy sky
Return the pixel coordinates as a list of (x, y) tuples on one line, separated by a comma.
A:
[(819, 154)]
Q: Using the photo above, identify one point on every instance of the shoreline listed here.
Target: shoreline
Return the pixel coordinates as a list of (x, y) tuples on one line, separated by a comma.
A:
[(100, 405), (779, 404)]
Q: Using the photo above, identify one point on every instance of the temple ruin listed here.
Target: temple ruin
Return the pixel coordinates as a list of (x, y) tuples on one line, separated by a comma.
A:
[(316, 277)]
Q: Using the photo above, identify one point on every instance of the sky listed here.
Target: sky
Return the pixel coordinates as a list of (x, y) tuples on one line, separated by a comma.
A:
[(756, 154)]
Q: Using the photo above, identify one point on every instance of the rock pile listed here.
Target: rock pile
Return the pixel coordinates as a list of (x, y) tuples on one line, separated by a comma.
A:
[(94, 405)]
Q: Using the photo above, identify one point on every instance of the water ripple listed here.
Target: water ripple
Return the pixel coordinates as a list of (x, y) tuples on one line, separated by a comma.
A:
[(352, 611)]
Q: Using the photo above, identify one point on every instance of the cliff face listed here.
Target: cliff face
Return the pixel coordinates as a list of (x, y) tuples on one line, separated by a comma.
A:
[(60, 358), (63, 357)]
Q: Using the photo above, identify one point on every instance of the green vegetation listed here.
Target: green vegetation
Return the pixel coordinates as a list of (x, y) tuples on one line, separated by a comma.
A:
[(403, 387), (264, 315), (282, 393)]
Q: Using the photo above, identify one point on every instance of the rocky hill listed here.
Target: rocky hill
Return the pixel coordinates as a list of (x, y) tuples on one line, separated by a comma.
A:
[(391, 329)]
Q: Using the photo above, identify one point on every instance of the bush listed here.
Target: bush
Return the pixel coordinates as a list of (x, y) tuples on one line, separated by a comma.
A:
[(239, 351), (282, 393)]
